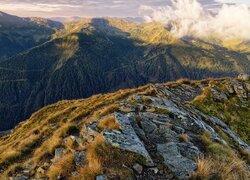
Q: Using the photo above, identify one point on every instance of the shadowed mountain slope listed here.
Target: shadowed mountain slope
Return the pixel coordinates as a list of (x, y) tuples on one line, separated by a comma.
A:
[(19, 34), (101, 55)]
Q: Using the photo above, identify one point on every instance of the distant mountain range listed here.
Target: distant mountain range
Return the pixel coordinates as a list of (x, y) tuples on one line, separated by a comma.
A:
[(44, 61), (19, 34)]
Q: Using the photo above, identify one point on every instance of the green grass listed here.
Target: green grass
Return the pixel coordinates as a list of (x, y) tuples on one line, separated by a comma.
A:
[(234, 112)]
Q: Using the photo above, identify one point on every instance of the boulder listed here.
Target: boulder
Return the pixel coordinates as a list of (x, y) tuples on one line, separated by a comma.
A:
[(126, 139), (177, 161), (59, 153), (138, 168), (80, 158)]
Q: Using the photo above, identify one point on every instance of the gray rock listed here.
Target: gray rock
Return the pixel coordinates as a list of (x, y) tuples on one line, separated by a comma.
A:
[(80, 158), (244, 77), (89, 133), (202, 126), (168, 134), (182, 166), (219, 96), (178, 130), (239, 89), (247, 85), (102, 177), (135, 126), (156, 118), (230, 88), (76, 139), (227, 130), (154, 170), (148, 126), (138, 168), (126, 139), (188, 150), (20, 178), (173, 108), (59, 152)]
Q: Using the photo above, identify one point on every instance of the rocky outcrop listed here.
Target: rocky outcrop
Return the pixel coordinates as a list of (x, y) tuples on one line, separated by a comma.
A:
[(178, 158), (162, 127), (126, 139)]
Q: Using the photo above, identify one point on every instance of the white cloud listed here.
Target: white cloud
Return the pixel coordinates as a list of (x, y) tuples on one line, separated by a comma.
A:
[(190, 18), (89, 8)]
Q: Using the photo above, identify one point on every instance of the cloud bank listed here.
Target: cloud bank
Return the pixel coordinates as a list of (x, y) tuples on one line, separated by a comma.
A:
[(190, 18), (86, 8)]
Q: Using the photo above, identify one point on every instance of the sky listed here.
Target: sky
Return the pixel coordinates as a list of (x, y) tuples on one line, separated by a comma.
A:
[(92, 8)]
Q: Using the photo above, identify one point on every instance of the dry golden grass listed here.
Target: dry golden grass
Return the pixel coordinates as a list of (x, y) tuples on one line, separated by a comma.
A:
[(171, 84), (211, 168), (10, 171), (204, 167), (36, 139), (108, 110), (108, 122), (183, 138), (94, 166), (147, 100), (200, 98), (183, 81), (30, 141), (221, 163), (9, 156), (103, 158), (246, 155), (61, 168), (53, 142)]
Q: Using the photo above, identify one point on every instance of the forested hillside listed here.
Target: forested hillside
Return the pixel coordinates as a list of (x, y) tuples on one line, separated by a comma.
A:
[(93, 56)]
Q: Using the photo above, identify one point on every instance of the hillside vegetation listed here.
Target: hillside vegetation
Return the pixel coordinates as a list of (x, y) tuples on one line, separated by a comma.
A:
[(157, 131), (93, 56), (20, 34)]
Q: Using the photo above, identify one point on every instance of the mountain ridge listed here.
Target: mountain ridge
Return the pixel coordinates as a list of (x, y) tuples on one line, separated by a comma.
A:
[(157, 130), (103, 55), (19, 34)]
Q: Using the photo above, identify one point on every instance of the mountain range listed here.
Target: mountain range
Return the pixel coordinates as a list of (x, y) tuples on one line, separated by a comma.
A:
[(19, 34), (43, 61)]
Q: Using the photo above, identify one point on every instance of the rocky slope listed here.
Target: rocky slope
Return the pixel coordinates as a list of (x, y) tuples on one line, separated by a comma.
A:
[(160, 131), (93, 56)]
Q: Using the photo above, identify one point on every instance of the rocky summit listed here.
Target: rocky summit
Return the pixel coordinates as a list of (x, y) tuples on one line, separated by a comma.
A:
[(179, 130)]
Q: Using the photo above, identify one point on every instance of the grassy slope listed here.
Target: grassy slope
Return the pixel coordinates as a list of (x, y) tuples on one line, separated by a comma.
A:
[(233, 111), (36, 139)]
